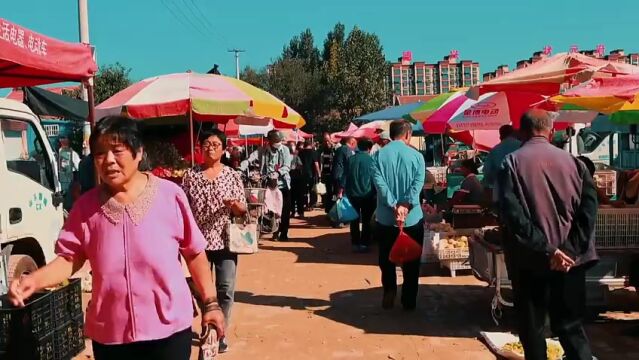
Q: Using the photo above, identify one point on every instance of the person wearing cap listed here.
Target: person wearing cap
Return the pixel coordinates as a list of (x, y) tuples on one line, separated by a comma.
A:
[(274, 162)]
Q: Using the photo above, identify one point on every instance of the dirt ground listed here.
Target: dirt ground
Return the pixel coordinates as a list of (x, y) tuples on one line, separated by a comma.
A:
[(311, 298)]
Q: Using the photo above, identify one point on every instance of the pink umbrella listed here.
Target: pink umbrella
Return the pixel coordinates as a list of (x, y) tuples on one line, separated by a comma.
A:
[(483, 140), (335, 137), (548, 76), (489, 112)]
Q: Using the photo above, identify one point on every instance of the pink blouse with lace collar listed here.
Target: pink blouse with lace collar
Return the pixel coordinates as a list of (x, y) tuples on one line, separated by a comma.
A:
[(139, 290)]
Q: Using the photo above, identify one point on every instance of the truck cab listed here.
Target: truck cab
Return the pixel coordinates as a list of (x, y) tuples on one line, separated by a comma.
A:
[(31, 210)]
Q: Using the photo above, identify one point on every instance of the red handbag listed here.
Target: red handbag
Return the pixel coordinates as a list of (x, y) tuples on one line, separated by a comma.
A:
[(405, 249)]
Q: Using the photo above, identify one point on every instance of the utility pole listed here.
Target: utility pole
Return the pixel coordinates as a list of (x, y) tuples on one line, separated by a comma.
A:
[(87, 91), (237, 60)]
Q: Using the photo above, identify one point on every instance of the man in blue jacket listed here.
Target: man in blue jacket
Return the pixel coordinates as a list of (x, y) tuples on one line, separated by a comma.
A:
[(398, 174), (360, 191)]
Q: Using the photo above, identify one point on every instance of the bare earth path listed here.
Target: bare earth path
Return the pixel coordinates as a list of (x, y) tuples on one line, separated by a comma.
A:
[(311, 298)]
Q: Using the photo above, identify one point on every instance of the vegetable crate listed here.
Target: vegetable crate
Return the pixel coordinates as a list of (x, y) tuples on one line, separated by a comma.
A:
[(617, 229), (455, 258), (49, 327)]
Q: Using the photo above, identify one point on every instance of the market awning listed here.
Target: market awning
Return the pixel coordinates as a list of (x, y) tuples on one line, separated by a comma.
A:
[(47, 103), (28, 58)]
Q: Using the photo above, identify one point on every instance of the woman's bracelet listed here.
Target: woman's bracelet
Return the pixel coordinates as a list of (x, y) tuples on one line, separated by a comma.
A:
[(211, 304)]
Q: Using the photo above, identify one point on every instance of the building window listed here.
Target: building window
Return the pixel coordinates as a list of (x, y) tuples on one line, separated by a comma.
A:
[(52, 130)]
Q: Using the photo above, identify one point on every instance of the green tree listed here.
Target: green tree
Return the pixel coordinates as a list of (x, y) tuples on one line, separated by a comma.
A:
[(360, 79), (109, 80), (302, 47), (255, 77), (296, 85)]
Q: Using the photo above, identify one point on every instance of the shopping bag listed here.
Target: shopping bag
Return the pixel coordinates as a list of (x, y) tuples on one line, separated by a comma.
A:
[(345, 211), (405, 249), (242, 237), (319, 189), (333, 214), (208, 344)]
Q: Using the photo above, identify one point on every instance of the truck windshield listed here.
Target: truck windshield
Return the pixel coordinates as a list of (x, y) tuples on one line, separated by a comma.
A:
[(25, 152)]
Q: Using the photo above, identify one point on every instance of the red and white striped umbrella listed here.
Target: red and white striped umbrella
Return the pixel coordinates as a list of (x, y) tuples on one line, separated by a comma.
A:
[(206, 97)]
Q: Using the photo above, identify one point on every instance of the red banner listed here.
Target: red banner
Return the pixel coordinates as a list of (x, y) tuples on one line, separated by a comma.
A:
[(29, 58)]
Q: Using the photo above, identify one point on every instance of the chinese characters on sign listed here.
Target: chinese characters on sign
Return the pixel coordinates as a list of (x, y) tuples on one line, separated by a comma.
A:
[(483, 112), (24, 40)]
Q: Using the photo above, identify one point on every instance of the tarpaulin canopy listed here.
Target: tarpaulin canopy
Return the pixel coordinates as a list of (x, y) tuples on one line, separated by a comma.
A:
[(28, 58), (47, 103)]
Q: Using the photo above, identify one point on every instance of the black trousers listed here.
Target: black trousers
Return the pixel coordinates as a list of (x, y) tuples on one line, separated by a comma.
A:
[(298, 194), (286, 213), (560, 295), (365, 208), (174, 347), (327, 199), (310, 194), (386, 236)]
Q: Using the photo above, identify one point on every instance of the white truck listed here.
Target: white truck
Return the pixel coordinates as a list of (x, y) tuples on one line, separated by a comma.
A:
[(31, 211)]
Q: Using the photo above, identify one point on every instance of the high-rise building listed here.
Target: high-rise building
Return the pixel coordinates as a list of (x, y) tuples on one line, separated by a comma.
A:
[(419, 80), (501, 70)]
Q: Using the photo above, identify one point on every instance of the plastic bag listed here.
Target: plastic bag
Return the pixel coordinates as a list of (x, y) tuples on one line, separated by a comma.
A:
[(319, 189), (333, 215), (345, 211), (405, 249)]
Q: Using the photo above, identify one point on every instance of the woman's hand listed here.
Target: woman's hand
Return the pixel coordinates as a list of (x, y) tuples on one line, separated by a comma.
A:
[(216, 319), (236, 206), (21, 289)]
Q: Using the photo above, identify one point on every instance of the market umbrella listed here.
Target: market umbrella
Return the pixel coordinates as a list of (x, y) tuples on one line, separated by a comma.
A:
[(618, 96), (390, 113), (338, 135), (489, 112), (200, 97), (550, 75), (482, 140), (424, 110)]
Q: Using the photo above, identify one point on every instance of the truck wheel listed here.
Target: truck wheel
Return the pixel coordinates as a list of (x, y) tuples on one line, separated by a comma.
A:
[(21, 265)]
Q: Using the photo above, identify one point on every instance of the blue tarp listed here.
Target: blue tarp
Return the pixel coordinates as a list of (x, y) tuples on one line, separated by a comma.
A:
[(391, 113), (394, 113)]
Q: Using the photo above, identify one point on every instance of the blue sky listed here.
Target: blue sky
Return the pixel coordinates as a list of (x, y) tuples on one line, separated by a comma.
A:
[(161, 36)]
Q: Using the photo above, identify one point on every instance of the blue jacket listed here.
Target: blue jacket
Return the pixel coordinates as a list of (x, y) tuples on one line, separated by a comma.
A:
[(399, 172)]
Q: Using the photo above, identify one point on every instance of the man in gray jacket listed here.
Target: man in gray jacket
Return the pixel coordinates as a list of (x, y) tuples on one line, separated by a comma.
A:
[(548, 205)]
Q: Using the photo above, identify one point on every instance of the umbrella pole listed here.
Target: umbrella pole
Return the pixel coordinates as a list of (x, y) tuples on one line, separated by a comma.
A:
[(191, 136), (441, 136)]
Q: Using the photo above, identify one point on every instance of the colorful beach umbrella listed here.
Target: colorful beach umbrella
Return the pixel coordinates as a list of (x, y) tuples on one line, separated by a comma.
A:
[(204, 97), (489, 112), (550, 75), (618, 97), (425, 110)]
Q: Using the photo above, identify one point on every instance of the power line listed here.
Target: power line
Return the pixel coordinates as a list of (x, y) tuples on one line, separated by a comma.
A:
[(184, 20), (208, 23)]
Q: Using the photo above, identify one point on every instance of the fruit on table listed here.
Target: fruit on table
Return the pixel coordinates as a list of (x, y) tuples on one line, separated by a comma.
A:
[(454, 242), (553, 351), (441, 227)]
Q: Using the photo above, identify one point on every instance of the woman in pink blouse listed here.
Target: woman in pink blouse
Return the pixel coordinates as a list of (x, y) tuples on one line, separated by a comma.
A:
[(216, 193), (132, 229)]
